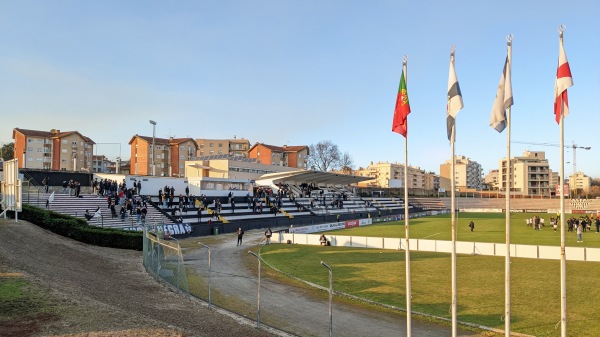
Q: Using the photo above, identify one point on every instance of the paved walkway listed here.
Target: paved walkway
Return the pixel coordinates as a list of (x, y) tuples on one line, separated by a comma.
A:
[(291, 308)]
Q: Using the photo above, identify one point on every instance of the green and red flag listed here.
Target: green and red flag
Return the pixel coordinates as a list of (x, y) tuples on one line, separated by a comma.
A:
[(399, 124)]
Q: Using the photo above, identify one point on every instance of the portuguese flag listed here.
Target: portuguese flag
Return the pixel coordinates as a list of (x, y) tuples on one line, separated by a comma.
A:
[(399, 125)]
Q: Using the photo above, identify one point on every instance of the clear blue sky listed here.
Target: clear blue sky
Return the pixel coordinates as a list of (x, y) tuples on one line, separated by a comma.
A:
[(298, 72)]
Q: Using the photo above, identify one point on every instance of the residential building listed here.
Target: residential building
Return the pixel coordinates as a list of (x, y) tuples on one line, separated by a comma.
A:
[(234, 147), (53, 150), (467, 174), (167, 158), (491, 179), (290, 156), (529, 176), (101, 164), (391, 175), (580, 183)]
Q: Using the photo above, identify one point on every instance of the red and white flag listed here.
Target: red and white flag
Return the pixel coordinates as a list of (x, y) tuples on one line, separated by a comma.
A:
[(563, 81)]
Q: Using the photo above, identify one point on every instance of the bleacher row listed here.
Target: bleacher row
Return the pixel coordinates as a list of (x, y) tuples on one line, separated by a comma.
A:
[(71, 205)]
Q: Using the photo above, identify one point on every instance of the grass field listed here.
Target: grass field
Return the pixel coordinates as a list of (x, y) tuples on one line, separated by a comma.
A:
[(379, 275)]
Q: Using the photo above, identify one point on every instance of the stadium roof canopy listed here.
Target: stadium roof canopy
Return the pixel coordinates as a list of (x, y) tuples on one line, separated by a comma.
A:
[(305, 176)]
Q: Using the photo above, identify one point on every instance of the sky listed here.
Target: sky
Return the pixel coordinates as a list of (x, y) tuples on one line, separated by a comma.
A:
[(301, 72)]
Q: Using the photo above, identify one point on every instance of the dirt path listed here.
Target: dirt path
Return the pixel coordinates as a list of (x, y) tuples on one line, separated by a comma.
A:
[(303, 315), (104, 289)]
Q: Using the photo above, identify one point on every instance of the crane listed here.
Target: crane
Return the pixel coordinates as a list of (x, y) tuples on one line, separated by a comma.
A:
[(573, 146)]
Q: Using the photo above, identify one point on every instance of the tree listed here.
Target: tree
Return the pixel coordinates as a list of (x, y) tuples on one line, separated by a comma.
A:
[(325, 156), (346, 163), (7, 151)]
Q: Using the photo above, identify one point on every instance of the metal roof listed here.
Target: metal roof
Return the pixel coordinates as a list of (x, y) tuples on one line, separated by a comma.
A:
[(317, 177)]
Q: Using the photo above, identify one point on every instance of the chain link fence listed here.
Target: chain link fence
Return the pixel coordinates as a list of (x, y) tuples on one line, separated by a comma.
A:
[(163, 259)]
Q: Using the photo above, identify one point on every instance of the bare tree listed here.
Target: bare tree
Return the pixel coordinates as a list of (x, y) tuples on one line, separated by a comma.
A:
[(346, 163), (324, 156)]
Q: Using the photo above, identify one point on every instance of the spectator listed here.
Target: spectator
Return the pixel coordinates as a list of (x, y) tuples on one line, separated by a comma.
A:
[(472, 225), (240, 234), (268, 234), (323, 240)]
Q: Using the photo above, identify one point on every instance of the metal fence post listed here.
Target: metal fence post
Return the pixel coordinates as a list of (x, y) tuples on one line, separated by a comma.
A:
[(330, 298), (258, 318), (209, 272)]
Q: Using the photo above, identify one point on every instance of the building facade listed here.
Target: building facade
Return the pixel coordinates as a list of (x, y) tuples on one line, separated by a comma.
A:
[(53, 150), (530, 175), (467, 174), (491, 179), (580, 183), (290, 156), (391, 175), (213, 147), (166, 158)]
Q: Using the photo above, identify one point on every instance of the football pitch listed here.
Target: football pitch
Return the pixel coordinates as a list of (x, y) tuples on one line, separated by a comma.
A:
[(379, 275)]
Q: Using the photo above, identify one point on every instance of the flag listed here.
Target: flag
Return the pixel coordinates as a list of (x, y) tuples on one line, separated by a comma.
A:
[(51, 198), (504, 99), (563, 81), (455, 102), (402, 109)]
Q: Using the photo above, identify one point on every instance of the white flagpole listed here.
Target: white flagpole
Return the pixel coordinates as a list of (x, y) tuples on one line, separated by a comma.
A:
[(563, 259), (453, 222), (406, 228), (507, 196)]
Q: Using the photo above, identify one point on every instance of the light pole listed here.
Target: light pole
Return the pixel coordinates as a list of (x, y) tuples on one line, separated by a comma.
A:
[(330, 298), (153, 136)]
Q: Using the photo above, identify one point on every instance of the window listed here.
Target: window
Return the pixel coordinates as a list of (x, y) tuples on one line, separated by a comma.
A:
[(64, 141), (182, 157), (29, 149), (220, 145), (29, 140), (181, 148), (39, 150), (201, 146), (63, 150), (211, 145)]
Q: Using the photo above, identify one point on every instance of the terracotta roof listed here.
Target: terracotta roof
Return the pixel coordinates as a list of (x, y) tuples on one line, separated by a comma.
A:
[(48, 134), (282, 148), (163, 141)]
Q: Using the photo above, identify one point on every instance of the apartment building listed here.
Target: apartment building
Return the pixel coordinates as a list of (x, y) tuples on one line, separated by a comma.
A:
[(160, 156), (467, 174), (214, 147), (580, 183), (290, 156), (391, 175), (53, 150), (530, 175), (491, 179)]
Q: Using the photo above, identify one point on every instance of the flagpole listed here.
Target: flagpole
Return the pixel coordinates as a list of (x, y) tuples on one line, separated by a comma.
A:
[(453, 219), (563, 260), (406, 228), (507, 215)]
